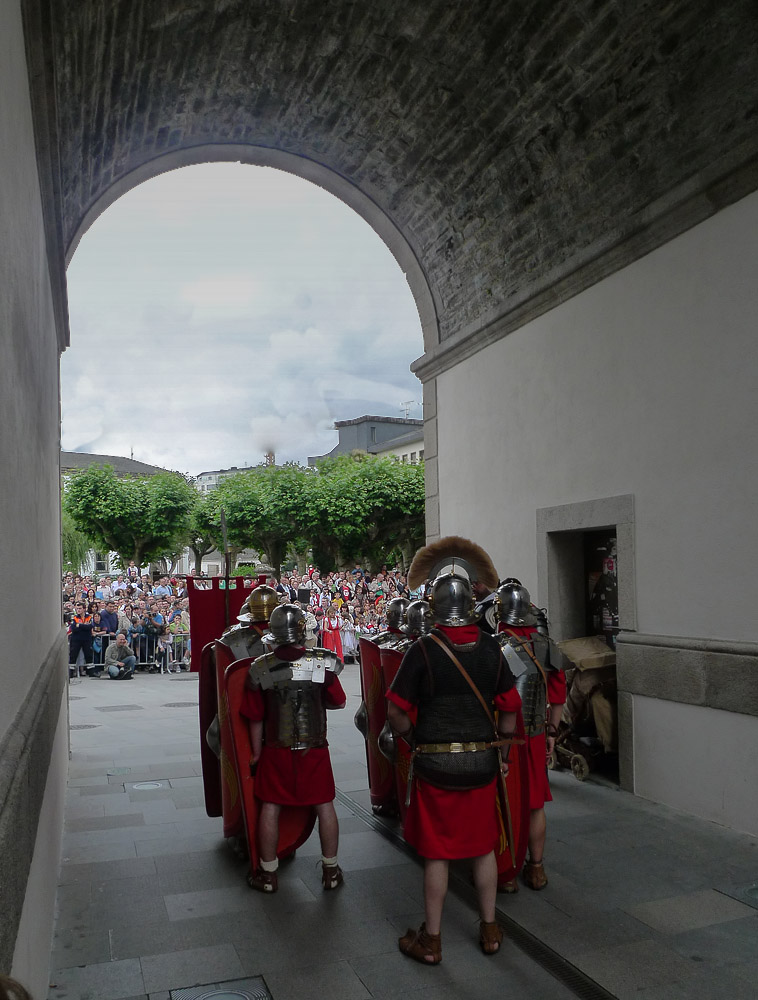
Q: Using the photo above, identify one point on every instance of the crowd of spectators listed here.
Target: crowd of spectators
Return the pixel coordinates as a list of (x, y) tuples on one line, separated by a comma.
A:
[(350, 603), (154, 615)]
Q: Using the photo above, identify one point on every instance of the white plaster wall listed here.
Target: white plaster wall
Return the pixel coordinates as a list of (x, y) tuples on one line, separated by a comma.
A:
[(35, 930), (647, 384), (701, 760), (29, 431)]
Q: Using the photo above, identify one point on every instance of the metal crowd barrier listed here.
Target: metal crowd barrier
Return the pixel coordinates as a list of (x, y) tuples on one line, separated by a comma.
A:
[(167, 652)]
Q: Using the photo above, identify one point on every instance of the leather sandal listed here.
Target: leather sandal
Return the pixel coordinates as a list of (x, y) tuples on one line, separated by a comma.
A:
[(508, 886), (534, 875), (263, 881), (331, 876), (421, 946), (490, 937)]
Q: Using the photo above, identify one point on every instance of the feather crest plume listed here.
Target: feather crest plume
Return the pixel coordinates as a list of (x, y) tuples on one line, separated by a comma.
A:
[(446, 550)]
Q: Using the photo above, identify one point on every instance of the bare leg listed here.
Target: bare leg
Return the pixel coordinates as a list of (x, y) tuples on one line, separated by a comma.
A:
[(328, 829), (268, 831), (537, 827), (435, 890), (485, 880)]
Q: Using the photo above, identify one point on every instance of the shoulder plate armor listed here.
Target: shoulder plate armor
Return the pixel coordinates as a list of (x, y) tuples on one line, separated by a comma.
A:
[(268, 671), (520, 654), (243, 641)]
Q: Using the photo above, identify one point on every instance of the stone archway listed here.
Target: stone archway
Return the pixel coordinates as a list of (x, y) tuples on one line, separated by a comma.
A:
[(309, 170)]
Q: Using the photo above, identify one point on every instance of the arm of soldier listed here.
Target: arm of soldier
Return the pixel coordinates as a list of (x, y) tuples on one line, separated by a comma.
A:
[(252, 708), (404, 694), (398, 719), (256, 740), (508, 705), (335, 693), (556, 697)]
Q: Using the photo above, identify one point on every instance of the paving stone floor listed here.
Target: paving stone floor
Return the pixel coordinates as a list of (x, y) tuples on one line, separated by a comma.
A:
[(647, 902)]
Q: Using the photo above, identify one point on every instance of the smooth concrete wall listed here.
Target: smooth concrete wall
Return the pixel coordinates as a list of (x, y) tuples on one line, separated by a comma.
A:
[(644, 385), (679, 758), (32, 656)]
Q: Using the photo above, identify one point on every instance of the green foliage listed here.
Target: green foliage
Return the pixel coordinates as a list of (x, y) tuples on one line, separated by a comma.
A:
[(205, 527), (140, 517), (260, 505), (74, 543), (352, 507), (366, 507)]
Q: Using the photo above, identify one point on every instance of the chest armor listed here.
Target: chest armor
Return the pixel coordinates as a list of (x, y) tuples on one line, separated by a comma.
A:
[(294, 697), (530, 682), (243, 641), (453, 714)]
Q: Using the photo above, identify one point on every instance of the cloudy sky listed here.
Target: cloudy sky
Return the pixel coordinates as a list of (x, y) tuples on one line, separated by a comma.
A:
[(221, 310)]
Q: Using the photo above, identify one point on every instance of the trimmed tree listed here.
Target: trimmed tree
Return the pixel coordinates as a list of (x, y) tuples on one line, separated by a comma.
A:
[(138, 517)]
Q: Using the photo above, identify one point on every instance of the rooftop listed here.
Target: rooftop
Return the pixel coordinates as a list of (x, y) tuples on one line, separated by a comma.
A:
[(74, 460)]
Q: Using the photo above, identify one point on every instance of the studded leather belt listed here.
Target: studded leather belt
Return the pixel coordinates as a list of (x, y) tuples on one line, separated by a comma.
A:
[(470, 747)]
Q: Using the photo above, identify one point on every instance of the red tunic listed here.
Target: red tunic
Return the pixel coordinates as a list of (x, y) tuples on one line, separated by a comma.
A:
[(536, 745), (446, 824), (294, 777)]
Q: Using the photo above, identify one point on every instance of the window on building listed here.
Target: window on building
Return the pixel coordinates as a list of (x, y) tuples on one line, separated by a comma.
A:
[(372, 432), (421, 455), (413, 458), (404, 458)]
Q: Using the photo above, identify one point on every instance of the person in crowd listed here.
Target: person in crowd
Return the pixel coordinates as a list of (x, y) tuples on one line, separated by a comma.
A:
[(80, 640), (120, 659), (330, 630), (109, 621), (347, 634), (120, 584), (292, 768), (99, 636), (163, 589)]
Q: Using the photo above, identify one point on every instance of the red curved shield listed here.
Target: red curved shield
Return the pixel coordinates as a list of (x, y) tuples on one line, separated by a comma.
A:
[(208, 699), (390, 663), (295, 822), (513, 805), (231, 805), (381, 778)]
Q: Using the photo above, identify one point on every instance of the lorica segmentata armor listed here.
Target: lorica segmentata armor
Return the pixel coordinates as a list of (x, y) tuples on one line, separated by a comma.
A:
[(294, 697), (530, 676)]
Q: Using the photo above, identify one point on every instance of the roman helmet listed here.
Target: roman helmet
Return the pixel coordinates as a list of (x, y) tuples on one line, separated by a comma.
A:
[(395, 612), (452, 600), (513, 604), (287, 625), (418, 619), (259, 606)]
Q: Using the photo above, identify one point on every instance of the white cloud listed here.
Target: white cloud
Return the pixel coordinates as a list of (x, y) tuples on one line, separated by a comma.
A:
[(254, 311)]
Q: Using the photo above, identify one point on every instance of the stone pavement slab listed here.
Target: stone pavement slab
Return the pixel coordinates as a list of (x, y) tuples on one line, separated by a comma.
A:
[(151, 899), (691, 911)]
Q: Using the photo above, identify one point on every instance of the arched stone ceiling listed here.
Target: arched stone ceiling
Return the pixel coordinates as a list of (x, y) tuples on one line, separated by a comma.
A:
[(510, 142)]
